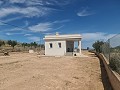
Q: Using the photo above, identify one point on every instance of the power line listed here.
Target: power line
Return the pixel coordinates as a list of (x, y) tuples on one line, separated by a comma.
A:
[(13, 25)]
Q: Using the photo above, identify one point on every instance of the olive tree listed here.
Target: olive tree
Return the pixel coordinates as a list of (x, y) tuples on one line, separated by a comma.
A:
[(12, 43), (97, 46)]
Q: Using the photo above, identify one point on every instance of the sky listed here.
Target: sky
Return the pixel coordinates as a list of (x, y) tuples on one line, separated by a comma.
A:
[(31, 20)]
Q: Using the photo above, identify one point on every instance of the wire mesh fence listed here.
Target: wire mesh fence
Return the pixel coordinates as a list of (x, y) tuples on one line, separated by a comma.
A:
[(106, 49), (111, 50)]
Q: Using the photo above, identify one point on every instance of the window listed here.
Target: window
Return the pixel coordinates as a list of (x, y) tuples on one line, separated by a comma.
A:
[(51, 45), (59, 45)]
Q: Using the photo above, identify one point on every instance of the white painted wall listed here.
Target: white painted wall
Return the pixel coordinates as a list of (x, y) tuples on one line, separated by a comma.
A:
[(55, 50), (79, 46)]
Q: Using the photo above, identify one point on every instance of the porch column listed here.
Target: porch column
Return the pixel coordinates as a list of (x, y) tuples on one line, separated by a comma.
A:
[(79, 46)]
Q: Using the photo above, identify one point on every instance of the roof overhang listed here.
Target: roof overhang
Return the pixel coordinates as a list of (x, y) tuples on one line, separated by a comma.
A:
[(63, 37)]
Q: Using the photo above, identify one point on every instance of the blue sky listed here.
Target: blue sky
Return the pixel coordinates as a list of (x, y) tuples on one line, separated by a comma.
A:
[(93, 19)]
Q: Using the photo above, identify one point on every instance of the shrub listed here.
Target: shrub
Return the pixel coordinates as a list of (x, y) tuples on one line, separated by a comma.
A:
[(115, 63), (97, 46), (12, 43)]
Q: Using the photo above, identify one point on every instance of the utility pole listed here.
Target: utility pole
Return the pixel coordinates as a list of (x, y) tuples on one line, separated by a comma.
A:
[(40, 40)]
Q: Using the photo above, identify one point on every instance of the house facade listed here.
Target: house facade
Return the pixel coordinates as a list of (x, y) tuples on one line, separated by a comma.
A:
[(61, 45)]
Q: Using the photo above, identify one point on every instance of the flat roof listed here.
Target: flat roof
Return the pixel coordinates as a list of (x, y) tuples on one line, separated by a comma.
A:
[(63, 37)]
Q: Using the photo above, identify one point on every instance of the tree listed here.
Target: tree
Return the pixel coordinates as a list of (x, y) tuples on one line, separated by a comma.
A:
[(87, 48), (31, 44), (24, 44), (9, 42), (2, 43), (97, 46), (28, 44), (42, 46), (12, 43), (35, 44)]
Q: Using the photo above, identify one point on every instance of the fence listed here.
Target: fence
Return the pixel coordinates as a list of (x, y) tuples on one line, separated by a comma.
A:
[(111, 50)]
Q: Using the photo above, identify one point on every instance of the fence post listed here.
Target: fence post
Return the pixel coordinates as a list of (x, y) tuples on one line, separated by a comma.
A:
[(109, 48)]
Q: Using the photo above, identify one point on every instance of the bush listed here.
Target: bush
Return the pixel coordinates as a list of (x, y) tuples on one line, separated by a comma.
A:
[(115, 63), (97, 46)]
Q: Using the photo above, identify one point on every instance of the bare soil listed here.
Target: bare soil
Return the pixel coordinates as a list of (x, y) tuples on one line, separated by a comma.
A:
[(24, 71)]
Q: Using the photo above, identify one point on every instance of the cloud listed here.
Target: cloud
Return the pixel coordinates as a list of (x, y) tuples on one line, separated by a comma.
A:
[(27, 34), (47, 33), (12, 19), (17, 1), (41, 27), (41, 2), (27, 12), (31, 7), (96, 36), (8, 34), (47, 26), (61, 21), (27, 2), (59, 2), (85, 12), (35, 2), (13, 33), (1, 2), (13, 30), (59, 27), (89, 38), (26, 23), (34, 38), (1, 24)]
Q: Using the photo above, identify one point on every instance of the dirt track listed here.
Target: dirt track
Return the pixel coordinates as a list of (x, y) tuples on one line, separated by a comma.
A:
[(23, 71)]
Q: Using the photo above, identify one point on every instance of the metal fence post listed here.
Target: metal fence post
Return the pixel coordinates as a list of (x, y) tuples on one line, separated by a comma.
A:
[(109, 49)]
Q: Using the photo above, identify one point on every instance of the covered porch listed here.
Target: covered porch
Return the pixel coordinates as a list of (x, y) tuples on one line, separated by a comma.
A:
[(73, 47)]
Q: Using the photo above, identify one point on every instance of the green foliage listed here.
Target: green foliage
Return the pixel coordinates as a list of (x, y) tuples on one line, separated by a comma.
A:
[(115, 49), (97, 46), (24, 44), (115, 63), (87, 48), (19, 47), (2, 43), (12, 43), (9, 42), (28, 44), (42, 46), (33, 44)]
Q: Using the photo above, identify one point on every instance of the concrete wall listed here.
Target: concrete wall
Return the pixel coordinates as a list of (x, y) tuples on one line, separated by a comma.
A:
[(114, 78), (55, 50)]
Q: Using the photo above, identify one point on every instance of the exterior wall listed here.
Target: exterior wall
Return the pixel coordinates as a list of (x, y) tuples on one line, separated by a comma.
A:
[(79, 46), (114, 78), (55, 50)]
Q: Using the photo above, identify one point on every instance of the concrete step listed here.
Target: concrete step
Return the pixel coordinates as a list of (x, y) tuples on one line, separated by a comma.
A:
[(69, 54)]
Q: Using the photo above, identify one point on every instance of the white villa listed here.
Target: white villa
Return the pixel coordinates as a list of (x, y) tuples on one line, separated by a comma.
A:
[(61, 45)]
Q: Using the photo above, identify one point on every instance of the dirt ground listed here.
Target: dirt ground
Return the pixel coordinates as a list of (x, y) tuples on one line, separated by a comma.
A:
[(24, 71)]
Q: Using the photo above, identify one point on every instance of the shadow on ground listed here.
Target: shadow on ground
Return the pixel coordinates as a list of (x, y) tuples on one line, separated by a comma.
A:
[(104, 77), (92, 55)]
